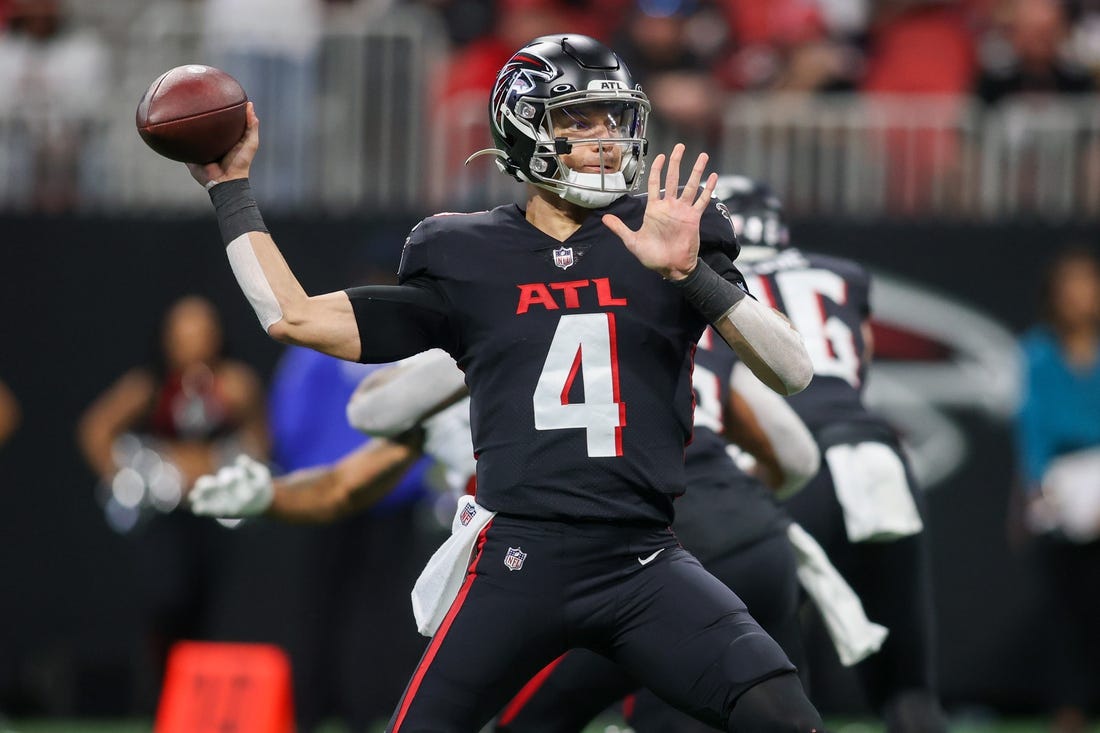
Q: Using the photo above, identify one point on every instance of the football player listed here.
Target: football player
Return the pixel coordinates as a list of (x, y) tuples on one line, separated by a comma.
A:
[(577, 354), (728, 519), (439, 426), (863, 507)]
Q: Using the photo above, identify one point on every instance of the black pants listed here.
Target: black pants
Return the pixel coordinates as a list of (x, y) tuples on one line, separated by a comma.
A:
[(1071, 577), (632, 594), (893, 582), (580, 685)]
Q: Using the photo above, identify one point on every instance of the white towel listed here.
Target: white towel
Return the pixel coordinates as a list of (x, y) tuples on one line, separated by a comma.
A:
[(854, 636), (1072, 485), (873, 492), (440, 580)]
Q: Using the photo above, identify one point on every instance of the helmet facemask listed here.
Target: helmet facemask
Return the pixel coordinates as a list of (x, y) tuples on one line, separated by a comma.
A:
[(590, 147), (603, 130)]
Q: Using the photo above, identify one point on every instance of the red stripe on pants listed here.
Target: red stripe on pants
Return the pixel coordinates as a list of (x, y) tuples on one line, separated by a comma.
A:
[(437, 640), (524, 696)]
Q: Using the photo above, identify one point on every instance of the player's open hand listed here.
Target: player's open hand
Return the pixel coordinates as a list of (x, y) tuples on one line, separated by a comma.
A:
[(237, 161), (668, 240)]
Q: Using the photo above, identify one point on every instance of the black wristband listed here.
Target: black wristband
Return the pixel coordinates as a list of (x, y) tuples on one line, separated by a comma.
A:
[(711, 294), (236, 209)]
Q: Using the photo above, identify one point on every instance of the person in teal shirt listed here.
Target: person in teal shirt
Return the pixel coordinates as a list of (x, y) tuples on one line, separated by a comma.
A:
[(1059, 422), (1061, 406)]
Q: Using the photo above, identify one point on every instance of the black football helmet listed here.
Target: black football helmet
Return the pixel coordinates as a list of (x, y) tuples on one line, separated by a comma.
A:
[(558, 90), (756, 212)]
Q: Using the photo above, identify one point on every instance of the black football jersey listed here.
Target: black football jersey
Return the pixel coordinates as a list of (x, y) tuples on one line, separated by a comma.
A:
[(578, 358), (724, 508), (827, 301)]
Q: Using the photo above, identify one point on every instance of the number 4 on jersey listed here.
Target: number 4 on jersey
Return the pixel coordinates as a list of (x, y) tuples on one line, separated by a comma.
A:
[(583, 343)]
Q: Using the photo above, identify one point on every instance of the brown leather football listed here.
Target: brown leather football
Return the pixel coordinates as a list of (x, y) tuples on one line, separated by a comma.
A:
[(192, 113)]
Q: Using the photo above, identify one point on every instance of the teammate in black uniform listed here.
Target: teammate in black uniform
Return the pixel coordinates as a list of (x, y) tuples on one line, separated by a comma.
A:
[(577, 354), (732, 523), (862, 506)]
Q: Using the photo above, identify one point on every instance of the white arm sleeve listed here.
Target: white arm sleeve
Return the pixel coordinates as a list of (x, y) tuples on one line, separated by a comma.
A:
[(774, 345), (794, 446), (396, 398), (254, 284)]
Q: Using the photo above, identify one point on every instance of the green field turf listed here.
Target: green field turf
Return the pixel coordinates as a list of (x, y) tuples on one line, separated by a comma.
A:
[(835, 726)]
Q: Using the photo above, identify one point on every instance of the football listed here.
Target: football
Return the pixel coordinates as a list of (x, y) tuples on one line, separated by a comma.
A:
[(192, 113)]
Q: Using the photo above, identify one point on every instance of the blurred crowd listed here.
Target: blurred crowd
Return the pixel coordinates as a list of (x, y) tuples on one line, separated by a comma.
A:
[(688, 53), (59, 59)]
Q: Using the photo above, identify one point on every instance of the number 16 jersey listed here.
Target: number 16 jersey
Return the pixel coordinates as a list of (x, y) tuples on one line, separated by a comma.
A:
[(578, 358)]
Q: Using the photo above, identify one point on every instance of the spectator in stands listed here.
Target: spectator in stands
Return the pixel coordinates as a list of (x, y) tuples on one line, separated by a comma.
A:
[(181, 416), (1084, 35), (466, 20), (464, 85), (792, 46), (1028, 56), (52, 83), (1059, 444), (919, 47), (9, 413), (272, 47), (473, 68), (661, 45)]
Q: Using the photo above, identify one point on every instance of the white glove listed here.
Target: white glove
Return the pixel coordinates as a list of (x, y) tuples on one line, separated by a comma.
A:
[(243, 489)]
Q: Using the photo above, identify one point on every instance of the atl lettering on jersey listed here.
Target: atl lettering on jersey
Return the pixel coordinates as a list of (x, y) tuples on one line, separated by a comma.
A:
[(531, 294)]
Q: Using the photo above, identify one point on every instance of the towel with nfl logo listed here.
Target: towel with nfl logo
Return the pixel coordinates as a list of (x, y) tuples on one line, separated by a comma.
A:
[(438, 585)]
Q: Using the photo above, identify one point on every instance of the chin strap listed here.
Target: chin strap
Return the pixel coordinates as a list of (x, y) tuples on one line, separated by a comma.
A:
[(589, 197)]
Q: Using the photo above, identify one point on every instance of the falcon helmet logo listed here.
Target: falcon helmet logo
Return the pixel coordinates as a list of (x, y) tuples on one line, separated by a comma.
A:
[(517, 78), (563, 257), (514, 559)]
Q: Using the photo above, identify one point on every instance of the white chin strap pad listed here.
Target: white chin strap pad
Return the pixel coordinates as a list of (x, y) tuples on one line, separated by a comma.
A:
[(591, 196)]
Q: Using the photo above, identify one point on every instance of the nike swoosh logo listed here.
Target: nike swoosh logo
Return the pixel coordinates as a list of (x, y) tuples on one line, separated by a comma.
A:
[(651, 558)]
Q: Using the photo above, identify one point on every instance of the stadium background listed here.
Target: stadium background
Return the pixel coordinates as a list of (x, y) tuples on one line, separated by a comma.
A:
[(953, 200)]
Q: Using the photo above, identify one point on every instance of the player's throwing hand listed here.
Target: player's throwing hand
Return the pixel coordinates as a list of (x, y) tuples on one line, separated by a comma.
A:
[(237, 161), (668, 240)]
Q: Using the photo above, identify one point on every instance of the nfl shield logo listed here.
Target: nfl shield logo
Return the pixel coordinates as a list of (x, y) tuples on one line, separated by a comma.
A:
[(563, 257), (468, 513), (514, 559)]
